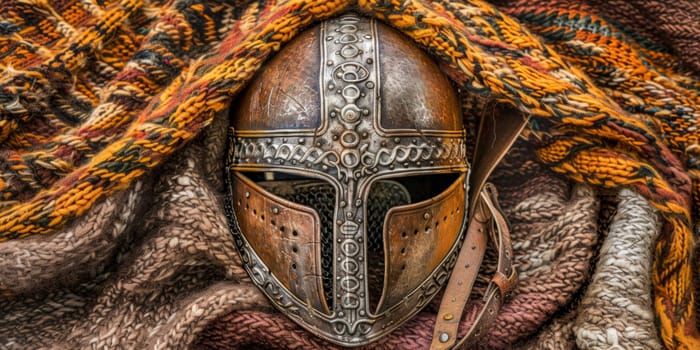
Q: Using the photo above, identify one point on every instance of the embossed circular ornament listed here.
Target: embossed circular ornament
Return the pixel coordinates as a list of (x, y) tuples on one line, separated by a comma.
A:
[(347, 29), (350, 248), (350, 158), (351, 93), (349, 51), (348, 39), (350, 266), (351, 72), (349, 139), (350, 283), (350, 114)]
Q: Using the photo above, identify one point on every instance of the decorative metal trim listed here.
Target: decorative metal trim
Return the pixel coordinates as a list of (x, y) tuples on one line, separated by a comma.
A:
[(351, 153)]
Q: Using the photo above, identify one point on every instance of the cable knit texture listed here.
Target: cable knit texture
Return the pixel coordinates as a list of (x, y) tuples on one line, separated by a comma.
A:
[(112, 119)]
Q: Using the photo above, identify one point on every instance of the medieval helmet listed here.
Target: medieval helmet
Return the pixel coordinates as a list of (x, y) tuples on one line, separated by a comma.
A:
[(347, 179)]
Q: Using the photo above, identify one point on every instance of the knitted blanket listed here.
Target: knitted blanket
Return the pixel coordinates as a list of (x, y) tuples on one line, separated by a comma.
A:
[(112, 120)]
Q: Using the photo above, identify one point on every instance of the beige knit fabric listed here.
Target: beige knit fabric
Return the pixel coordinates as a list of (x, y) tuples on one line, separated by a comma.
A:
[(146, 269), (616, 310)]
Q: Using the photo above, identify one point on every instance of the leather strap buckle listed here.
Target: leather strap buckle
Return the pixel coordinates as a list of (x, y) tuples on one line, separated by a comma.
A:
[(505, 284), (493, 142)]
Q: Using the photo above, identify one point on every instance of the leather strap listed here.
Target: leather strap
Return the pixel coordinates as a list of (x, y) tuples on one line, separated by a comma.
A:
[(496, 136), (505, 278), (486, 219)]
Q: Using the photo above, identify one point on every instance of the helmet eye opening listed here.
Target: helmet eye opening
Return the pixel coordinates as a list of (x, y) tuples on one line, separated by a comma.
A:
[(426, 186)]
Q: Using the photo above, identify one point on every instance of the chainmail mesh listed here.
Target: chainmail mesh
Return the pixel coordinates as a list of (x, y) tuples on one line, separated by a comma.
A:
[(321, 197)]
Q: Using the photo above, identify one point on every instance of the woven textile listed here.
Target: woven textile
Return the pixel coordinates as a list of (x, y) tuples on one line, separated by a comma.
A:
[(111, 119)]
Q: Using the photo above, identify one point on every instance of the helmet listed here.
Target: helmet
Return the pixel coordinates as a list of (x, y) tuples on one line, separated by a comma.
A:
[(347, 179)]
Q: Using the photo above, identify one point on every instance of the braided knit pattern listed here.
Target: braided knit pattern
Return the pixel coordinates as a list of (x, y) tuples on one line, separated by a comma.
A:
[(623, 267), (674, 28), (95, 94), (558, 335)]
